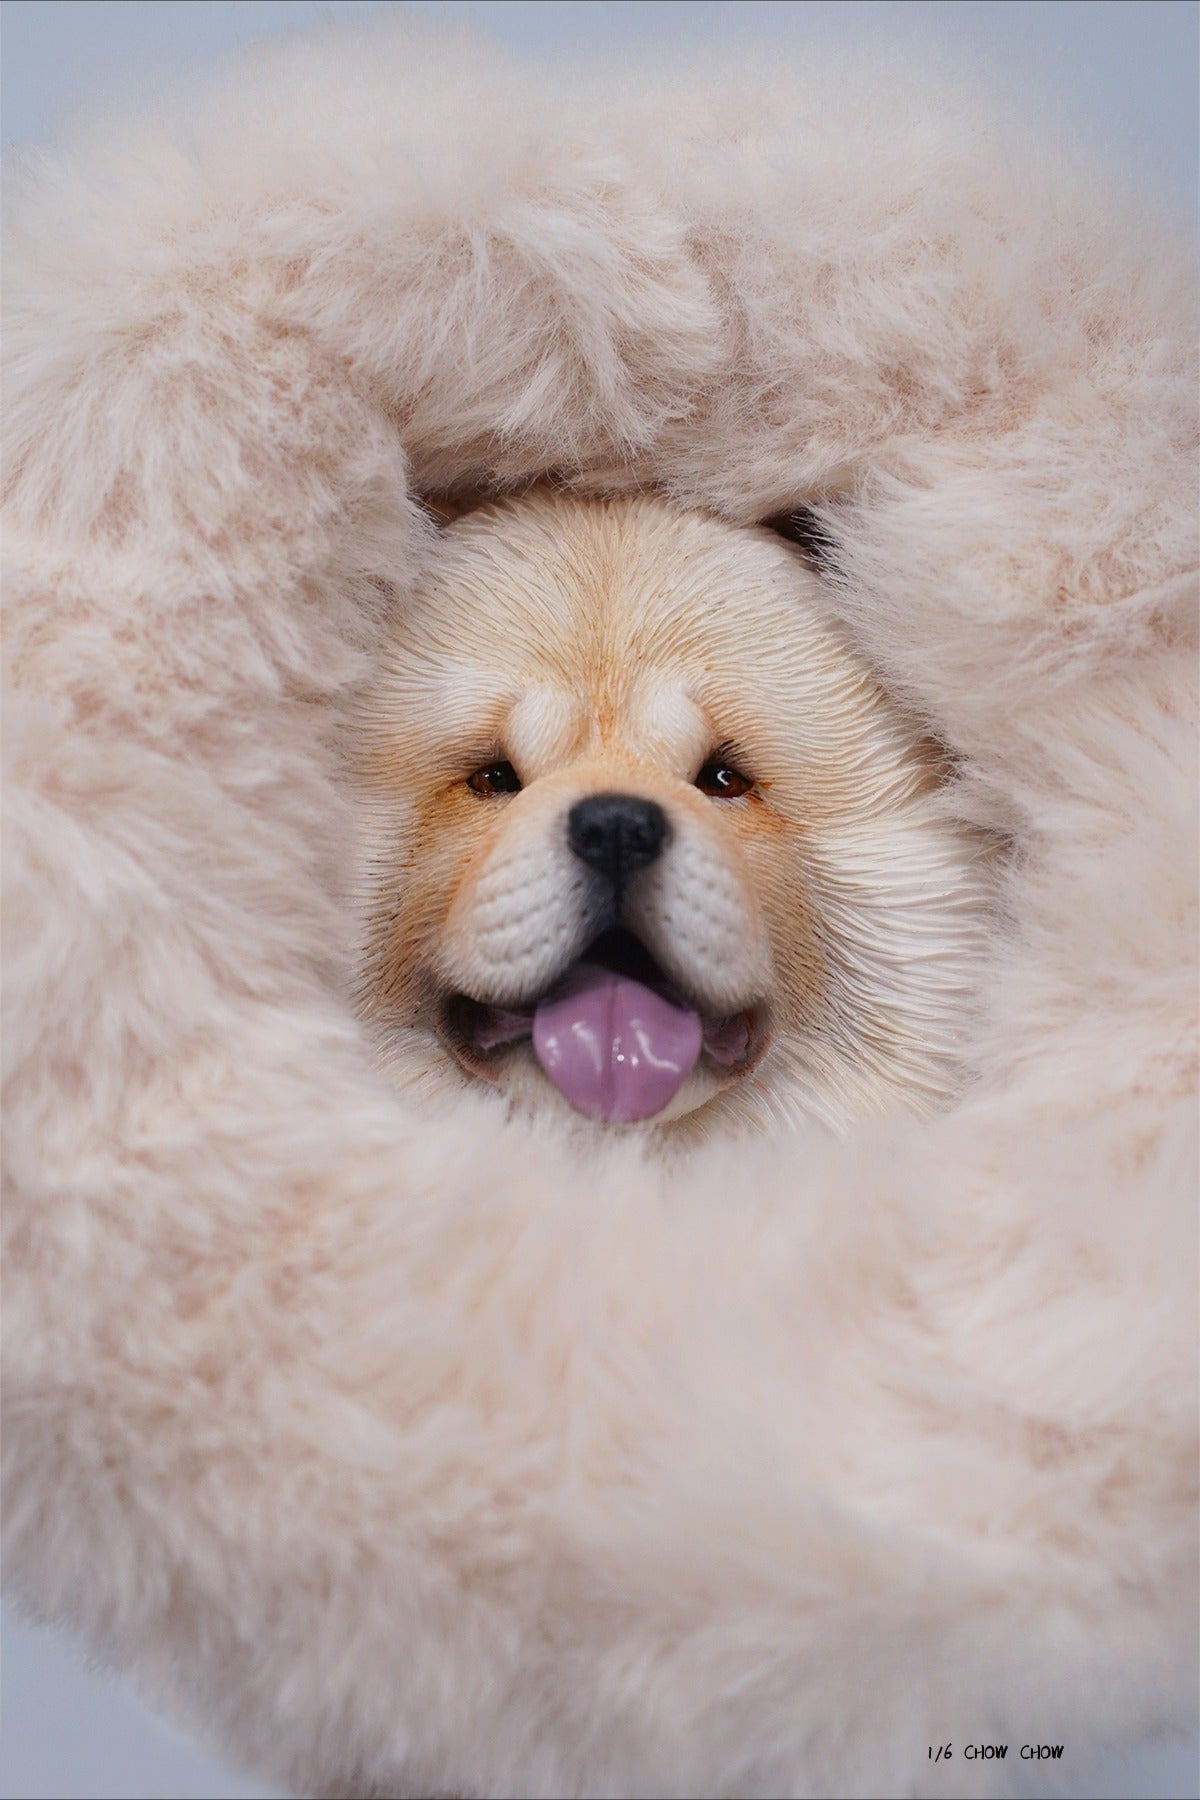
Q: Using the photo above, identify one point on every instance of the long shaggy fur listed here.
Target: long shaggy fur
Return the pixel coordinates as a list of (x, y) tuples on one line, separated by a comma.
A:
[(401, 1459)]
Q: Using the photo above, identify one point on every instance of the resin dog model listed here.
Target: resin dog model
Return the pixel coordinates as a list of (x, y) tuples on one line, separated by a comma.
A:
[(646, 837)]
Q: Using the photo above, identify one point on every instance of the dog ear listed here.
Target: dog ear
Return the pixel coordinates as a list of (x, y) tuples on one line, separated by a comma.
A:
[(801, 527), (444, 509), (447, 508)]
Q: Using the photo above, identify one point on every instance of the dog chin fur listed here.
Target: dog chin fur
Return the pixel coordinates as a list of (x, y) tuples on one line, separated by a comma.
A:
[(612, 645), (406, 1451)]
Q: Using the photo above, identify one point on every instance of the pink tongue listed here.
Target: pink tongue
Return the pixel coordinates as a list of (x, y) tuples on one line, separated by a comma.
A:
[(613, 1047)]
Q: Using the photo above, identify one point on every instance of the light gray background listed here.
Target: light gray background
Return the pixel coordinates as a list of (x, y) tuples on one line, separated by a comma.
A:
[(1124, 73)]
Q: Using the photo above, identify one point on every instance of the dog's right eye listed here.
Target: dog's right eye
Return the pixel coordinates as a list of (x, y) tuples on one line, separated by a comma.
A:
[(496, 778), (721, 781)]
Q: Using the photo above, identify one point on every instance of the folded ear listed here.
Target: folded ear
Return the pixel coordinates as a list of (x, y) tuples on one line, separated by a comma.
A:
[(447, 509), (444, 509), (802, 528)]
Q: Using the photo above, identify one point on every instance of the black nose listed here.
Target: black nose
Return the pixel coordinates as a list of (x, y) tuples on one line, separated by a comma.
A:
[(616, 834)]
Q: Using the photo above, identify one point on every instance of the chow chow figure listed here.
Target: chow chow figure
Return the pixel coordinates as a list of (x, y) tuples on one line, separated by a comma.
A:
[(645, 840)]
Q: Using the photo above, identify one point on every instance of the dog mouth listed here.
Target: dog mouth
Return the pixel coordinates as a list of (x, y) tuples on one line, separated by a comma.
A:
[(612, 1033)]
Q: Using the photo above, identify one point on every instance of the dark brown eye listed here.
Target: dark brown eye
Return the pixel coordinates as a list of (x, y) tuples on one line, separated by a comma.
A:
[(497, 778), (721, 781)]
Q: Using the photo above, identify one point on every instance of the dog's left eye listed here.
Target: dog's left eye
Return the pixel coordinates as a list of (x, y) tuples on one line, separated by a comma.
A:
[(497, 778), (721, 781)]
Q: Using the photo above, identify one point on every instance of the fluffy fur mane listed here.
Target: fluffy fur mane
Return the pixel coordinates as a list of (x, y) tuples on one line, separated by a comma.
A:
[(404, 1459)]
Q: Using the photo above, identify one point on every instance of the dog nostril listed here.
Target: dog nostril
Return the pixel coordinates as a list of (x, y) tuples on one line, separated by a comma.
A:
[(617, 833)]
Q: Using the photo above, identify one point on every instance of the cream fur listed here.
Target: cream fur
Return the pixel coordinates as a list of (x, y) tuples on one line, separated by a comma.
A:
[(610, 644), (405, 1456)]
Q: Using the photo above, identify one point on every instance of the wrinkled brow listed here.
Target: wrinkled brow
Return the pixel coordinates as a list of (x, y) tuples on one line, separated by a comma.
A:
[(542, 729), (669, 723)]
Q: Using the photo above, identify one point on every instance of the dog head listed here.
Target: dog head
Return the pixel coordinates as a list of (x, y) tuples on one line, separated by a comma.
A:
[(645, 837)]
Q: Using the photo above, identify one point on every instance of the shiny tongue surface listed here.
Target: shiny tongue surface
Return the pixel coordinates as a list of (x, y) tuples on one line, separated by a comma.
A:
[(613, 1047)]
